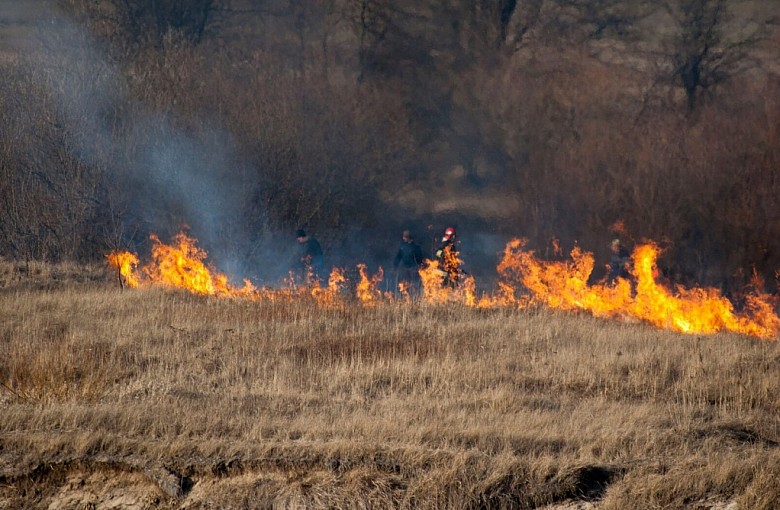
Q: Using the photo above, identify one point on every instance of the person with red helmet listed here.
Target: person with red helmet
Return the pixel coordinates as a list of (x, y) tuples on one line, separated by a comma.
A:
[(447, 257)]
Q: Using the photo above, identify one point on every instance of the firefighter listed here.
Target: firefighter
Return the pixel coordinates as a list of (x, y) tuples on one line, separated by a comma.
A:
[(310, 256), (447, 257), (407, 263)]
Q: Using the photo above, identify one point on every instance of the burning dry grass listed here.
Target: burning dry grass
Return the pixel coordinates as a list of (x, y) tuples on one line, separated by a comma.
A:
[(198, 402), (524, 281)]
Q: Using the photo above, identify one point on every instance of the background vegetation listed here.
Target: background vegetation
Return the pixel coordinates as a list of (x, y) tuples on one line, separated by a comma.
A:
[(245, 119), (159, 399)]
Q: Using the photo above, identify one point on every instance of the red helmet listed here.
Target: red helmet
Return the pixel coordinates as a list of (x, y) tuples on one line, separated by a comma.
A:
[(449, 233)]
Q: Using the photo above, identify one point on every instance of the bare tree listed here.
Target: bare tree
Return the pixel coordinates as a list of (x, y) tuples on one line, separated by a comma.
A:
[(704, 55), (698, 56), (148, 21)]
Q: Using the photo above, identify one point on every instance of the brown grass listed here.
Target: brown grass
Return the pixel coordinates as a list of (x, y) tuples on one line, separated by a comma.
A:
[(178, 401)]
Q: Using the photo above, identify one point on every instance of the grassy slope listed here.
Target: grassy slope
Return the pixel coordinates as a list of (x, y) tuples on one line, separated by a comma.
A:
[(177, 401)]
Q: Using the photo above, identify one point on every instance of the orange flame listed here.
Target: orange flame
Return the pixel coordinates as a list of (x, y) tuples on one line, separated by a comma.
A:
[(367, 290), (524, 280), (330, 295), (177, 266), (564, 285), (433, 282), (404, 289), (181, 266), (696, 310), (447, 284), (556, 246), (125, 263), (451, 264)]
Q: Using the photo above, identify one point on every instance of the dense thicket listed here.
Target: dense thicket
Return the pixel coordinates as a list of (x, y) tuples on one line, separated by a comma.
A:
[(245, 119)]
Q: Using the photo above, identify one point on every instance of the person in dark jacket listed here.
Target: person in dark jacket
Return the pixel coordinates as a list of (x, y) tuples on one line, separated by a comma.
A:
[(407, 263), (619, 262), (311, 258)]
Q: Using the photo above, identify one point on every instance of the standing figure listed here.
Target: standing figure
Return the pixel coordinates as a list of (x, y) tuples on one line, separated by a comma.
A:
[(311, 259), (619, 262), (407, 263), (447, 257)]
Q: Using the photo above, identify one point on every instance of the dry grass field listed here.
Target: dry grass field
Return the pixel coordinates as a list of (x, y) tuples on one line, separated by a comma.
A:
[(134, 398)]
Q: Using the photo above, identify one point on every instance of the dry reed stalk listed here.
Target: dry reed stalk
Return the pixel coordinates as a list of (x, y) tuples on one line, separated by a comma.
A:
[(393, 406)]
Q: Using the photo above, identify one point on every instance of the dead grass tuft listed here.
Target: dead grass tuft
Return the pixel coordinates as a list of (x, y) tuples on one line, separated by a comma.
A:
[(50, 367), (399, 406)]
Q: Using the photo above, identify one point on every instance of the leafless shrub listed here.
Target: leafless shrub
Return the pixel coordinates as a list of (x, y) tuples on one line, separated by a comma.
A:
[(361, 115)]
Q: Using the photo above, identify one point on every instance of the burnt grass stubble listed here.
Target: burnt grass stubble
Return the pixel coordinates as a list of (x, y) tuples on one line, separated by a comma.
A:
[(162, 399)]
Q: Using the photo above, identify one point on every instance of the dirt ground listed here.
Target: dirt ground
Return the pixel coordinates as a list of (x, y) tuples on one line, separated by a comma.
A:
[(106, 484)]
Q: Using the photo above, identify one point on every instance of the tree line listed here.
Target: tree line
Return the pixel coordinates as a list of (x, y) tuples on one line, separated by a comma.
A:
[(246, 119)]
